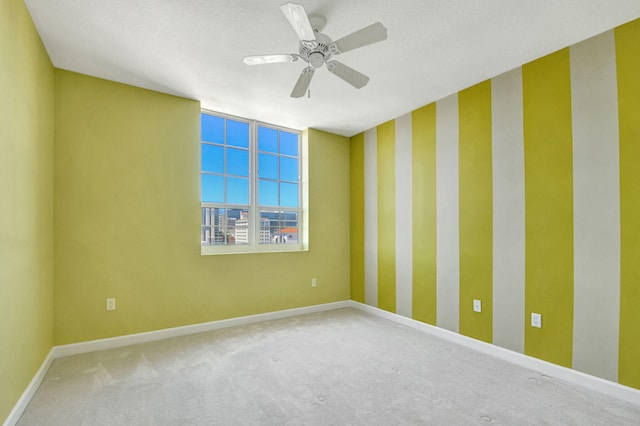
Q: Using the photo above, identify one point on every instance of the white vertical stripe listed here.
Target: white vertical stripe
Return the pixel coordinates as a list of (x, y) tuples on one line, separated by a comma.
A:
[(508, 211), (404, 223), (596, 210), (447, 214), (371, 217)]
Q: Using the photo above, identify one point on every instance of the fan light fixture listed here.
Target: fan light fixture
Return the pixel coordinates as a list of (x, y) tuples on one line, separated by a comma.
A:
[(316, 59)]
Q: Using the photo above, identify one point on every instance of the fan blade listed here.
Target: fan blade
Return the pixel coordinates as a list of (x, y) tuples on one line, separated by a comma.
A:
[(348, 74), (298, 19), (367, 35), (303, 82), (270, 59)]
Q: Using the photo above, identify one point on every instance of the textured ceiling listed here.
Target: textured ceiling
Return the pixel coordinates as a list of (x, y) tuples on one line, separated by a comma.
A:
[(194, 48)]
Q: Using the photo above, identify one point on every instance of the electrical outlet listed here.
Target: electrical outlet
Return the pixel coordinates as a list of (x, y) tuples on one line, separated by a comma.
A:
[(314, 282), (477, 305), (536, 320), (111, 304)]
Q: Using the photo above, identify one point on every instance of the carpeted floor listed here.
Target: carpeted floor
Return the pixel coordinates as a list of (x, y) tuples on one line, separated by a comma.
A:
[(342, 367)]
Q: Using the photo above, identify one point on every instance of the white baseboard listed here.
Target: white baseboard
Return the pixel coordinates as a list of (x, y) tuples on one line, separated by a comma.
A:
[(132, 339), (31, 389), (576, 377), (150, 336)]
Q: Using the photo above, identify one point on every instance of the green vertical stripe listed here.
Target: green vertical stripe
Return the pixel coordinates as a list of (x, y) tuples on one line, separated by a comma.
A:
[(356, 176), (386, 137), (424, 213), (548, 207), (628, 70), (476, 211)]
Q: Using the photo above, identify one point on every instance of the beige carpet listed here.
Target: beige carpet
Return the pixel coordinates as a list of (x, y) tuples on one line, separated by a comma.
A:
[(341, 367)]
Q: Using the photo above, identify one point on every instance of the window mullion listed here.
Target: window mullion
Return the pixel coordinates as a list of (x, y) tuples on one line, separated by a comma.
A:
[(254, 214), (299, 209), (224, 163)]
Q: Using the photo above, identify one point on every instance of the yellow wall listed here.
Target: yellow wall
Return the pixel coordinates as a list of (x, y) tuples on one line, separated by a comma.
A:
[(628, 42), (386, 216), (127, 220), (356, 209), (476, 216), (26, 201), (423, 167), (549, 206)]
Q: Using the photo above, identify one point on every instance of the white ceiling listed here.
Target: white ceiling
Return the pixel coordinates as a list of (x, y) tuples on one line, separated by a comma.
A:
[(194, 48)]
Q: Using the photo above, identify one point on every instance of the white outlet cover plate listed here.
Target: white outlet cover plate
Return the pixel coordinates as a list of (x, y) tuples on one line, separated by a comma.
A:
[(477, 305), (111, 304), (536, 320)]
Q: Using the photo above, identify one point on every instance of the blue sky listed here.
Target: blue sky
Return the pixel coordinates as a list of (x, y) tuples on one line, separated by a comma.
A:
[(273, 168)]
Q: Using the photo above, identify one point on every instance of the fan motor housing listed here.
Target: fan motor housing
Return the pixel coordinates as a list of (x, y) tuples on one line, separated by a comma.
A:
[(319, 54)]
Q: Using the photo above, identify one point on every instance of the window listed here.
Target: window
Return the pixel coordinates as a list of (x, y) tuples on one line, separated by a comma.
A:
[(251, 186)]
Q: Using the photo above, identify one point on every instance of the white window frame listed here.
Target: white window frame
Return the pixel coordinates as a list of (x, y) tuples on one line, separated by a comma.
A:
[(254, 209)]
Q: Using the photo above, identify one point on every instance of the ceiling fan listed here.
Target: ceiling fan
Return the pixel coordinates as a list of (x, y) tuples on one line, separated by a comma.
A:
[(317, 49)]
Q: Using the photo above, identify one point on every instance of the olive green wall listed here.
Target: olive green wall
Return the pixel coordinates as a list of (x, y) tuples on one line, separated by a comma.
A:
[(26, 202), (127, 220)]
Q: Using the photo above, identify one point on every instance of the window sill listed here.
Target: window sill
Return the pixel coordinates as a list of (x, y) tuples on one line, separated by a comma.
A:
[(249, 249)]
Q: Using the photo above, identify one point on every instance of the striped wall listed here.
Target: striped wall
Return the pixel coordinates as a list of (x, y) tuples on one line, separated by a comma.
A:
[(522, 192)]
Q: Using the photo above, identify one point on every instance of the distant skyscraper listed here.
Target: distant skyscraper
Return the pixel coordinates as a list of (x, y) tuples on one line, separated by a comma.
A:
[(265, 231)]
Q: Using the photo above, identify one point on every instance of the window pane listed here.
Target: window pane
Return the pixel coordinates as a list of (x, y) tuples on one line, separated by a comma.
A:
[(289, 144), (264, 235), (268, 226), (230, 226), (278, 227), (289, 227), (242, 226), (235, 226), (237, 133), (267, 193), (212, 158), (237, 162), (212, 188), (206, 235), (288, 194), (237, 190), (206, 216), (267, 139), (212, 128), (206, 226), (289, 169), (289, 219), (268, 166)]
